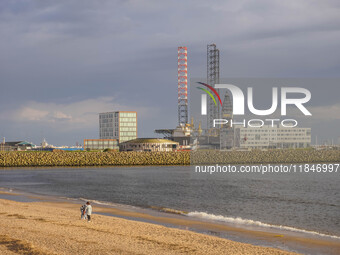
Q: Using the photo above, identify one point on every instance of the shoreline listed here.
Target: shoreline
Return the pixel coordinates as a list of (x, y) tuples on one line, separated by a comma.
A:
[(271, 238), (32, 228), (41, 167)]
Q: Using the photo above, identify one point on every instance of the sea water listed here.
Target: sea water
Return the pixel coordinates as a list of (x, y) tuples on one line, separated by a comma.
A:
[(300, 202)]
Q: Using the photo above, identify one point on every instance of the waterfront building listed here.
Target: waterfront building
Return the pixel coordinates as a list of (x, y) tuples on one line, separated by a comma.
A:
[(100, 144), (119, 125), (16, 146), (149, 144), (272, 137)]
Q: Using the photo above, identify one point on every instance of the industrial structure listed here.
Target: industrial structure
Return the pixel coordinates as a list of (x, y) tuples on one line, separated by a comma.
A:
[(182, 63), (182, 133), (224, 136), (186, 132), (119, 125), (226, 131), (221, 137), (213, 77)]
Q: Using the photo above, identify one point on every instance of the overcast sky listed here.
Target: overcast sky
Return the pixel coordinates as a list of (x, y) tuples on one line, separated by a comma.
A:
[(62, 62)]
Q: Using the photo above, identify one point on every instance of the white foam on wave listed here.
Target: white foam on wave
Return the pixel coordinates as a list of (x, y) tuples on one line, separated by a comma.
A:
[(69, 198), (238, 220), (97, 202), (110, 204)]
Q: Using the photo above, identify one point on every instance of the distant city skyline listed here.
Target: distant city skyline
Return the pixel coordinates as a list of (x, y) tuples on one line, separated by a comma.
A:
[(63, 62)]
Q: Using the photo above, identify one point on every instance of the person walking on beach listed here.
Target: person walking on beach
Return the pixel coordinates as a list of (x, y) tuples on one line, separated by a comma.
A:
[(88, 211), (82, 211)]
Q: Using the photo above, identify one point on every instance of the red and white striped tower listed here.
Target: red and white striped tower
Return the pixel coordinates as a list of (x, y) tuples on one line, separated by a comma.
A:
[(182, 86)]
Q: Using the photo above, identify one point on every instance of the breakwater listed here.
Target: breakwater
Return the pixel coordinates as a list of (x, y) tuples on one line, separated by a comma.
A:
[(63, 158), (263, 157)]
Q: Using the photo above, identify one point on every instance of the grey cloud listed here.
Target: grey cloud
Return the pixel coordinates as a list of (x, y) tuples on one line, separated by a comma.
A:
[(68, 51)]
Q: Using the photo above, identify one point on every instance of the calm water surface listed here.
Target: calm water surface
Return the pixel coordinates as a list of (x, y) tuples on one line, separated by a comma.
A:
[(307, 201)]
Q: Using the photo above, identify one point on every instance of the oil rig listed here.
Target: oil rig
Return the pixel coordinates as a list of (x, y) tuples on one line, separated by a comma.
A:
[(186, 134)]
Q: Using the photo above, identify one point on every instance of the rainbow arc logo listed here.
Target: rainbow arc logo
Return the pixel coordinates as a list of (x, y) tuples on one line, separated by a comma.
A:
[(209, 93)]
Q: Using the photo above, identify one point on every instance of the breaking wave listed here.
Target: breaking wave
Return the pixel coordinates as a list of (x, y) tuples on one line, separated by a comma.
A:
[(238, 220)]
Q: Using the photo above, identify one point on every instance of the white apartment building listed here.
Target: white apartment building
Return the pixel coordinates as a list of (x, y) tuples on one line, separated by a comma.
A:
[(272, 137)]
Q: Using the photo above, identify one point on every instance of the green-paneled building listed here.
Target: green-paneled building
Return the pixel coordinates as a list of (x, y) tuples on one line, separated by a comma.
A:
[(120, 125)]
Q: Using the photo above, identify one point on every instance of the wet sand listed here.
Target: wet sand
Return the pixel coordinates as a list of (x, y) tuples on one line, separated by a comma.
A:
[(56, 228)]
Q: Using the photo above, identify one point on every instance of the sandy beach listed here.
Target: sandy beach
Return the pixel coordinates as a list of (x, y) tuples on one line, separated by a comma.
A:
[(56, 228)]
